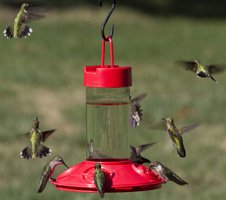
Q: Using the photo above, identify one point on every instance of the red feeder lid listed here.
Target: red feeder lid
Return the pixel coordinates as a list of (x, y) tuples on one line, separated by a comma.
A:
[(120, 176), (107, 76)]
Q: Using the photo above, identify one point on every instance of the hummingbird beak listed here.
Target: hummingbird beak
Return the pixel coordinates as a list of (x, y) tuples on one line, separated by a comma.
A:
[(65, 165), (164, 119)]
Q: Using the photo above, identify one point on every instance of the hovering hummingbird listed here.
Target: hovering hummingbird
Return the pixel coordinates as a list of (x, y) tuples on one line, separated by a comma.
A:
[(201, 70), (135, 156), (35, 148), (93, 153), (20, 29), (175, 134), (99, 179), (166, 173), (48, 171), (136, 111)]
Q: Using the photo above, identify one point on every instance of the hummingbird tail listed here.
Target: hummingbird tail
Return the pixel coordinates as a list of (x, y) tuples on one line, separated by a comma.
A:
[(101, 194), (180, 181), (8, 32), (43, 151), (26, 153), (181, 152), (26, 31)]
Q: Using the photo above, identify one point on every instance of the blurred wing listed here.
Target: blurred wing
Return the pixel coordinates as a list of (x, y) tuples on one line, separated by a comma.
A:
[(188, 128), (133, 150), (215, 68), (161, 126), (189, 65), (143, 147), (46, 134), (31, 17), (136, 100), (27, 134)]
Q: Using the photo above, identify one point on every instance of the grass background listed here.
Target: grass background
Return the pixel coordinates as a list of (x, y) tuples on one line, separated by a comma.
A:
[(43, 75)]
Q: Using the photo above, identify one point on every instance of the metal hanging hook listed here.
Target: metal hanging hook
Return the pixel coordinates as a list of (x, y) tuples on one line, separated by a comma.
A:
[(106, 38)]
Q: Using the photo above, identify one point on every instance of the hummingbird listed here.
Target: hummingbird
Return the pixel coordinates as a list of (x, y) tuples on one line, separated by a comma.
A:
[(135, 156), (20, 29), (48, 171), (93, 153), (99, 179), (175, 134), (201, 70), (35, 148), (165, 173), (136, 111)]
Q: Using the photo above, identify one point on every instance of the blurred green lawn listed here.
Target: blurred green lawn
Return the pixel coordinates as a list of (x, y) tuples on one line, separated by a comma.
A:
[(43, 76)]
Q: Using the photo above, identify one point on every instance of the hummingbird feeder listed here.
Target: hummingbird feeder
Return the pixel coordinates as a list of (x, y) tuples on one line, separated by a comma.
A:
[(107, 123)]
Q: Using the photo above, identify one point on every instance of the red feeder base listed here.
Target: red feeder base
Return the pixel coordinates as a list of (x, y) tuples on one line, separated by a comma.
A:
[(121, 176)]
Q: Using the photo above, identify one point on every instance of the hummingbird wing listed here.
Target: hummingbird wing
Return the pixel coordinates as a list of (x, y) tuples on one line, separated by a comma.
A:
[(32, 16), (174, 177), (136, 100), (143, 147), (26, 153), (188, 65), (136, 157), (8, 32), (212, 69), (44, 178), (188, 128), (46, 134), (160, 126)]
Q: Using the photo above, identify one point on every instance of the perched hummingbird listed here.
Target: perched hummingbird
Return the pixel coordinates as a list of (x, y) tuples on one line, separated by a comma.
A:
[(201, 70), (48, 171), (135, 153), (99, 179), (136, 111), (93, 153), (175, 134), (35, 148), (20, 29), (166, 173)]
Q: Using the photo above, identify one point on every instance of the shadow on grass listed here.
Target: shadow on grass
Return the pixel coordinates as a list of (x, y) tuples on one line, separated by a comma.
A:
[(215, 9)]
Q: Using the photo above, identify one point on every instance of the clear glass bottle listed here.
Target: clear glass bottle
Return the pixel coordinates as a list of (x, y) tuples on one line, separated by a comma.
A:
[(107, 112)]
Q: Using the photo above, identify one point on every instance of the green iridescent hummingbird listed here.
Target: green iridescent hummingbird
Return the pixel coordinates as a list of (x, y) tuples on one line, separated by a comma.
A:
[(165, 173), (20, 29), (201, 70), (175, 134), (48, 171), (135, 153), (136, 111), (99, 179), (35, 149)]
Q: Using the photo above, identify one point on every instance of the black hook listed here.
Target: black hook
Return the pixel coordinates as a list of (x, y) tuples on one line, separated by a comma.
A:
[(106, 21)]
